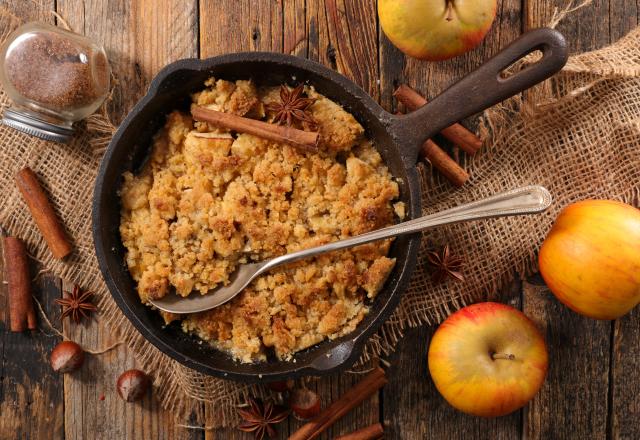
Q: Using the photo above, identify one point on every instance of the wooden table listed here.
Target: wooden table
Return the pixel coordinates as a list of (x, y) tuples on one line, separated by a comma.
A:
[(593, 389)]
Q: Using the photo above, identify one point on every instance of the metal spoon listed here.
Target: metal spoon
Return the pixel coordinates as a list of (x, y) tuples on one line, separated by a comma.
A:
[(526, 200)]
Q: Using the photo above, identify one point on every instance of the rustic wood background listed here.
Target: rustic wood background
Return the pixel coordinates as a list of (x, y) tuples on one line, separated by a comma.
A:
[(593, 389)]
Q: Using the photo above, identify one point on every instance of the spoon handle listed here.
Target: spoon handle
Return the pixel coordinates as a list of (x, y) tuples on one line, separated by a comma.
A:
[(526, 200)]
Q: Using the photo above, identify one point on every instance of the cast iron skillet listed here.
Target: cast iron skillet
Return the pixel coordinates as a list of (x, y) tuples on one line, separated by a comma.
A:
[(398, 138)]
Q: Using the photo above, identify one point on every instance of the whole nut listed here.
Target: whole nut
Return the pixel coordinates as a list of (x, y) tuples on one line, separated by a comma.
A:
[(304, 403), (132, 385), (67, 357)]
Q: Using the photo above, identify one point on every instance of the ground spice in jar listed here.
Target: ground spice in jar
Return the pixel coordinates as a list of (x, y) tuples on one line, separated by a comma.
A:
[(54, 78), (55, 71)]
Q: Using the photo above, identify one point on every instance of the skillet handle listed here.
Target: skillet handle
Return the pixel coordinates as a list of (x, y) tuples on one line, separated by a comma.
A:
[(482, 88)]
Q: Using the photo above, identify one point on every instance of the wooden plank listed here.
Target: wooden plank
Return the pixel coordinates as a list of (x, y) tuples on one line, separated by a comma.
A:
[(579, 347), (240, 25), (295, 28), (31, 10), (248, 25), (432, 78), (93, 408), (141, 37), (343, 35), (330, 389), (625, 393), (392, 63), (323, 31), (573, 400), (31, 394), (585, 29), (624, 385), (623, 16), (412, 406)]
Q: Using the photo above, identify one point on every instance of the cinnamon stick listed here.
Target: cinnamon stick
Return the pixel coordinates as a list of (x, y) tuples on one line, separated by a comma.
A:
[(441, 161), (364, 389), (373, 432), (306, 140), (456, 133), (43, 213), (22, 315)]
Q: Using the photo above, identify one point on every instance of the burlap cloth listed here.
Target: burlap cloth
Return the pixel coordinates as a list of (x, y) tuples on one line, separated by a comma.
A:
[(577, 134)]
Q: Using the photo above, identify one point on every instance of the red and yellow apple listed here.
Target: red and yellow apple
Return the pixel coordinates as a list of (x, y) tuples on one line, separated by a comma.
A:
[(591, 258), (488, 359), (436, 29)]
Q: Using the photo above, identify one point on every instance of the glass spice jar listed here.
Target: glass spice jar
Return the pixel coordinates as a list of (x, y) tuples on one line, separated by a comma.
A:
[(54, 77)]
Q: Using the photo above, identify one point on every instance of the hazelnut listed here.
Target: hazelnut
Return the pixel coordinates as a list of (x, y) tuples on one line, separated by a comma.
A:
[(67, 357), (304, 403), (132, 385)]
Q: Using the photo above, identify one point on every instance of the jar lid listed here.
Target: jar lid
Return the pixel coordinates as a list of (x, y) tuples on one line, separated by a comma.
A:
[(28, 123)]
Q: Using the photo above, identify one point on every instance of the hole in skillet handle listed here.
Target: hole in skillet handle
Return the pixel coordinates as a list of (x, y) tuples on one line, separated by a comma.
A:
[(519, 65)]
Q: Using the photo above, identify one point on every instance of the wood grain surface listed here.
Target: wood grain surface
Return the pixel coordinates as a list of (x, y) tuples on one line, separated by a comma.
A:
[(592, 391)]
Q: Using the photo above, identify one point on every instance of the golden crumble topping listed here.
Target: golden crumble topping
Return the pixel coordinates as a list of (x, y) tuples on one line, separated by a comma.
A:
[(209, 200)]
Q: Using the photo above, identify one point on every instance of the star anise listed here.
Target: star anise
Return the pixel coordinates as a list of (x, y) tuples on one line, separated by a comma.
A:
[(259, 418), (445, 265), (77, 304), (292, 107)]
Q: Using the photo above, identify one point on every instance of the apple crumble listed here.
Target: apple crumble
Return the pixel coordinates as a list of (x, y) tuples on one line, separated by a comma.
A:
[(208, 200)]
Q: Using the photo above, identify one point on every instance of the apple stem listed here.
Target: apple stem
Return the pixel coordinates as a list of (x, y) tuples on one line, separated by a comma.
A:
[(506, 356), (449, 16)]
